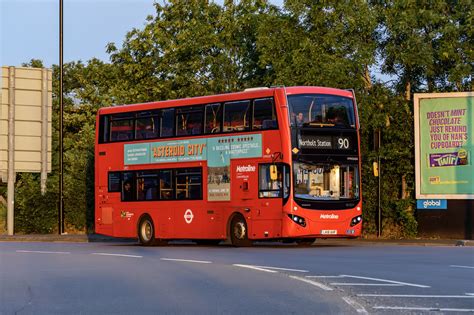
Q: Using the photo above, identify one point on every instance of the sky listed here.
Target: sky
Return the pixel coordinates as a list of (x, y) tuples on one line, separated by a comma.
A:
[(30, 28)]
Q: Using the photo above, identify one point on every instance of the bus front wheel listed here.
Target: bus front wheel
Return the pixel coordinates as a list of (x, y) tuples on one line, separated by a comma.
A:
[(239, 232), (305, 241)]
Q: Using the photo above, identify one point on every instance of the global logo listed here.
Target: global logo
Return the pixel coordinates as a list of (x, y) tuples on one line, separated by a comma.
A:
[(431, 203), (438, 204)]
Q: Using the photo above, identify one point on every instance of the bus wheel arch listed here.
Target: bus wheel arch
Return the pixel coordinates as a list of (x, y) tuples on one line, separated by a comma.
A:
[(238, 231)]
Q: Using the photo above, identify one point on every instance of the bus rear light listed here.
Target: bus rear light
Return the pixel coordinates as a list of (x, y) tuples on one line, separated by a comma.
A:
[(356, 220), (298, 220)]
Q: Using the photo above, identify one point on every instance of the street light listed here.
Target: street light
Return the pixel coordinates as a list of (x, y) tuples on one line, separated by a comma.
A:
[(61, 168)]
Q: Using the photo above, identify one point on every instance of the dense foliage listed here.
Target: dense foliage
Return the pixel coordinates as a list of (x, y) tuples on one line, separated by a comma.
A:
[(191, 48)]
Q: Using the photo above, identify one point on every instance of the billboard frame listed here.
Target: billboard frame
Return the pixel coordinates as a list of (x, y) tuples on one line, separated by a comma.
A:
[(417, 98)]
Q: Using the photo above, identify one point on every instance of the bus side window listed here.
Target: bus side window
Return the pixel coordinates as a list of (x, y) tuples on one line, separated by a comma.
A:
[(189, 183), (128, 187), (189, 121), (114, 182), (213, 118), (264, 116), (121, 127), (147, 125), (166, 184), (167, 122), (104, 129), (147, 185), (268, 187), (237, 116)]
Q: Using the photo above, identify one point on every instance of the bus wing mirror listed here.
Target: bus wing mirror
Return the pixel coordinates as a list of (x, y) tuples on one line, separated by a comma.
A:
[(273, 172)]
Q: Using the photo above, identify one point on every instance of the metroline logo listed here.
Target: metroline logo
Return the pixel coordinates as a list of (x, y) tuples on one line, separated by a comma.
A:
[(245, 168), (329, 216)]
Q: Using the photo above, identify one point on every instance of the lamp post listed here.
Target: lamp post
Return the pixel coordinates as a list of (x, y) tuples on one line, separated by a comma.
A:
[(61, 167)]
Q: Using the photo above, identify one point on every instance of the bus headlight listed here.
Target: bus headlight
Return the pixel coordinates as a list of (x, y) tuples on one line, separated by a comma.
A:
[(297, 219), (356, 220)]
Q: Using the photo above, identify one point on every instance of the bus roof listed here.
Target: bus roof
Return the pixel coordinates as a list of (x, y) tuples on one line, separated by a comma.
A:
[(249, 93)]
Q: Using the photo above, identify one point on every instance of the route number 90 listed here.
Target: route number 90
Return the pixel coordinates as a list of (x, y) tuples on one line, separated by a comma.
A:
[(343, 143)]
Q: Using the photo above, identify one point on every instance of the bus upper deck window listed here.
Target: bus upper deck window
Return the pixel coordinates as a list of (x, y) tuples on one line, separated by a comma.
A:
[(122, 127), (237, 116), (167, 122), (147, 125), (213, 118), (263, 114)]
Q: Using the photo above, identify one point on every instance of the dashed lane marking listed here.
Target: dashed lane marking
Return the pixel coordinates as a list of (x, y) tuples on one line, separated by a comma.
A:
[(459, 266), (418, 296), (367, 284), (41, 252), (282, 269), (398, 283), (389, 281), (427, 309), (187, 260), (359, 308), (254, 268), (316, 284), (117, 255)]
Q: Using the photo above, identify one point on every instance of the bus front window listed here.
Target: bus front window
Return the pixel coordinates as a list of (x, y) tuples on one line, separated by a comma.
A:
[(325, 181), (321, 110)]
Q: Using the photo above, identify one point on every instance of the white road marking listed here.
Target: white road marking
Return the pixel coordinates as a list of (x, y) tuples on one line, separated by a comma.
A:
[(254, 268), (368, 284), (283, 269), (389, 281), (117, 255), (41, 252), (469, 293), (428, 309), (187, 260), (324, 277), (419, 296), (459, 266), (359, 308), (316, 284)]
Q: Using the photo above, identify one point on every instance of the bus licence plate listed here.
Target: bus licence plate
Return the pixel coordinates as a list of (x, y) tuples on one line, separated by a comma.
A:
[(329, 232)]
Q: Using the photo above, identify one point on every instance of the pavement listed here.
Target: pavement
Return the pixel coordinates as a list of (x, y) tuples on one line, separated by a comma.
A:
[(87, 238)]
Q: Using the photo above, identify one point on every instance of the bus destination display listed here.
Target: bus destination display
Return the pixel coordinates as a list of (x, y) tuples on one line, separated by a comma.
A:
[(325, 142)]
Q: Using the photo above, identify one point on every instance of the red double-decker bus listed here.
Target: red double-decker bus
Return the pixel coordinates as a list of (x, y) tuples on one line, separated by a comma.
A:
[(267, 163)]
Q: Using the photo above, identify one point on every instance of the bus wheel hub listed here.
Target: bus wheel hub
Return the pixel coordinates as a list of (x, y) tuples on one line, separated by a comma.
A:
[(239, 230)]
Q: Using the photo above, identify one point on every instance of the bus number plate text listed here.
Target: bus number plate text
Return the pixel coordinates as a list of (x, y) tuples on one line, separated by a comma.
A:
[(329, 232)]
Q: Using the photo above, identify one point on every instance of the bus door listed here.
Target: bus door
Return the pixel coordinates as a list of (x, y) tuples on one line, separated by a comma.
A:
[(108, 188), (189, 220), (244, 186), (273, 188)]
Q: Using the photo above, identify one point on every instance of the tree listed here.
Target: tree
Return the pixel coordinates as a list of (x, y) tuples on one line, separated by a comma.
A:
[(189, 49), (427, 45), (319, 44)]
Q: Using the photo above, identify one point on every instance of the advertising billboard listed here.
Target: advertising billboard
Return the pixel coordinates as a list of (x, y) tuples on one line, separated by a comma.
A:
[(444, 145)]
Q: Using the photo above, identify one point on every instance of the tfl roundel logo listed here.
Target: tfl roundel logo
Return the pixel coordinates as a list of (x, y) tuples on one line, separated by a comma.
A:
[(188, 216)]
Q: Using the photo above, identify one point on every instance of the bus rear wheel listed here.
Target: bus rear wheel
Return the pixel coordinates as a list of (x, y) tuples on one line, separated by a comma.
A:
[(239, 232), (146, 232)]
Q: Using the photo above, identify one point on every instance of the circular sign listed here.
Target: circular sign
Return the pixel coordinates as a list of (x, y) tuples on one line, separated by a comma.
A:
[(188, 216)]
